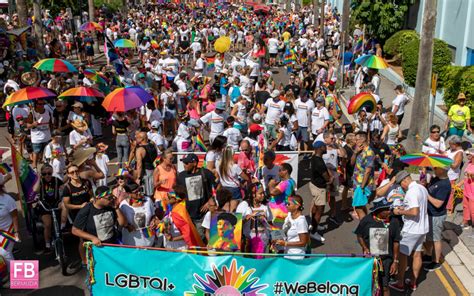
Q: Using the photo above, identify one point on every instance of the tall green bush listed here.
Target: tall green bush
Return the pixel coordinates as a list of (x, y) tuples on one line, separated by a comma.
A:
[(458, 79), (441, 59), (393, 44)]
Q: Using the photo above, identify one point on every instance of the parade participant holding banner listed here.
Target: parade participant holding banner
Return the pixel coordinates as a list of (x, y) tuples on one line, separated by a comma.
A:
[(96, 221), (198, 183), (139, 211), (296, 229), (379, 234)]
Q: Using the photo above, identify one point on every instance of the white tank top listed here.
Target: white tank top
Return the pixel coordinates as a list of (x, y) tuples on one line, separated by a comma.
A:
[(392, 134), (453, 174)]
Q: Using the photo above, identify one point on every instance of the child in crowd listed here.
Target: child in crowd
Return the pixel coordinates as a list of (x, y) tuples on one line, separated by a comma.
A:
[(102, 161)]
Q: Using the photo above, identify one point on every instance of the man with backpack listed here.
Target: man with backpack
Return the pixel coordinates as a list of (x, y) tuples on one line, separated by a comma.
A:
[(145, 155)]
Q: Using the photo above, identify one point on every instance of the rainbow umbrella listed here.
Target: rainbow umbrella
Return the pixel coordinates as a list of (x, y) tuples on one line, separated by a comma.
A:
[(125, 43), (126, 98), (371, 61), (55, 65), (91, 26), (28, 94), (82, 93), (95, 76), (427, 160)]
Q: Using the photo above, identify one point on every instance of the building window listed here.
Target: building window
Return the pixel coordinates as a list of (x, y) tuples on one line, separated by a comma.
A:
[(453, 53), (470, 57)]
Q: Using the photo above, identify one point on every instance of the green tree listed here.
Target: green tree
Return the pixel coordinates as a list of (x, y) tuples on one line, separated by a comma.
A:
[(381, 17)]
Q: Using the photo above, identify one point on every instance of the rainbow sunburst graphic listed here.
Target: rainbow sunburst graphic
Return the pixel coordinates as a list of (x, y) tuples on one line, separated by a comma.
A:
[(229, 282)]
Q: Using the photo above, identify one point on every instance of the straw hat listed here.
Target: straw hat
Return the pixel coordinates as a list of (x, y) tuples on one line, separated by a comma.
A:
[(79, 125), (81, 155)]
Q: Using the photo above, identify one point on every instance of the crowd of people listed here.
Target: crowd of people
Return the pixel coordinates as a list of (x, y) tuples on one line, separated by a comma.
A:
[(232, 106)]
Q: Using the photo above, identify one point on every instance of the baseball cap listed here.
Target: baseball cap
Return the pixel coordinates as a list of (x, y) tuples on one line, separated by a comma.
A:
[(257, 117), (220, 106), (400, 176), (190, 158), (380, 203), (255, 128), (78, 104), (155, 124)]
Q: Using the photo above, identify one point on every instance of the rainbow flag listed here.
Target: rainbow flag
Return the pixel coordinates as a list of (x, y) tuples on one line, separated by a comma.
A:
[(4, 168), (185, 225), (277, 203), (211, 63), (157, 160), (200, 143), (148, 232), (26, 178), (358, 46)]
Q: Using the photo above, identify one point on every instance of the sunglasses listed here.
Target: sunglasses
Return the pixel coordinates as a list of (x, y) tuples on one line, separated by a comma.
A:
[(47, 174), (435, 132), (73, 172), (120, 178)]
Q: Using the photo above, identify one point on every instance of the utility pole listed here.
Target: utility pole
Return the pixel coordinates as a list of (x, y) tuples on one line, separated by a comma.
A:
[(321, 21), (344, 36), (38, 27), (22, 9), (91, 19), (316, 13), (419, 116)]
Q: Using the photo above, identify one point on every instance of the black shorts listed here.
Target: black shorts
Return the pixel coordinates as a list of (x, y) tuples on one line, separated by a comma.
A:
[(335, 46), (384, 275), (273, 55)]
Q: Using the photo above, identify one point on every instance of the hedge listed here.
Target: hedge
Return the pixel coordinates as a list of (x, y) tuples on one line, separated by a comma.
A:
[(458, 79), (393, 44), (441, 59)]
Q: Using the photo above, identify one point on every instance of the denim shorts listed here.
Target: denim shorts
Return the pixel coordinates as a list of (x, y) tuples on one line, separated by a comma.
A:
[(235, 191), (38, 147)]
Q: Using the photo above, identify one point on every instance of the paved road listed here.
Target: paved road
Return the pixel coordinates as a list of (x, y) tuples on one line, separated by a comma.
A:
[(340, 240)]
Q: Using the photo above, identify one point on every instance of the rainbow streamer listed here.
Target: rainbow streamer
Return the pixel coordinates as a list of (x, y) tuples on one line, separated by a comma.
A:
[(200, 143), (148, 232), (4, 168), (211, 63)]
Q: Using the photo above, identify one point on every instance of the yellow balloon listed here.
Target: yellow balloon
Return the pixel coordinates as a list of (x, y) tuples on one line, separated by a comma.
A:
[(221, 46)]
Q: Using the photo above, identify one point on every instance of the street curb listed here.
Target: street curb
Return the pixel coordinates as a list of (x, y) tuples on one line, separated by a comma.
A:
[(461, 260)]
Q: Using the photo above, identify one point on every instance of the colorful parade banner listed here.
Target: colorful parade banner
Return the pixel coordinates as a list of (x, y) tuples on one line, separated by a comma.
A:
[(290, 157), (116, 272)]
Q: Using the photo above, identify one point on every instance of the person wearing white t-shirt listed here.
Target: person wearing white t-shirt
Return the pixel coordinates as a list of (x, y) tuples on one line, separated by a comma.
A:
[(319, 118), (435, 144), (216, 120), (296, 229), (233, 135), (39, 122), (415, 227), (398, 104), (274, 108), (303, 107), (273, 44), (8, 221), (195, 46)]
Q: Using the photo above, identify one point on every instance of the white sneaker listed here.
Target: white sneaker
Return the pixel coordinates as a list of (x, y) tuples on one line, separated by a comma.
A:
[(317, 237)]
